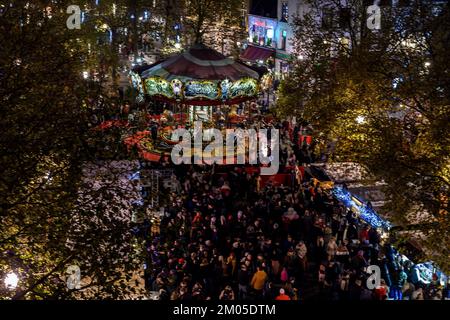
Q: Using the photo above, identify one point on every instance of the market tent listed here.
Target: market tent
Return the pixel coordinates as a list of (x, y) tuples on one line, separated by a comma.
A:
[(253, 53)]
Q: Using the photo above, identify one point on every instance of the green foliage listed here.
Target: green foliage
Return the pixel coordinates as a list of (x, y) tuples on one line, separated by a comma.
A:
[(50, 217), (344, 87), (218, 24)]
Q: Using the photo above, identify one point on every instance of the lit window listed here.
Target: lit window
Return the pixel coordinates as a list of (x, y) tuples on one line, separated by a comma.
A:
[(283, 40), (284, 12)]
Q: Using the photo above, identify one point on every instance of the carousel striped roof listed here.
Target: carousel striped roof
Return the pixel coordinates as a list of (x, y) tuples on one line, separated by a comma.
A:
[(199, 63)]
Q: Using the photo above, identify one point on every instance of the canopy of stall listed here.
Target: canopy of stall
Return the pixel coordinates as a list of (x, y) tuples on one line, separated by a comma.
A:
[(254, 53)]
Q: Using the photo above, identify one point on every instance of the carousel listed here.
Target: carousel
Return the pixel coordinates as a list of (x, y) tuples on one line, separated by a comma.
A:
[(199, 84)]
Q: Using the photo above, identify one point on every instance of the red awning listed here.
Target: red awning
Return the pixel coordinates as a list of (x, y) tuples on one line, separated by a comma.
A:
[(253, 53)]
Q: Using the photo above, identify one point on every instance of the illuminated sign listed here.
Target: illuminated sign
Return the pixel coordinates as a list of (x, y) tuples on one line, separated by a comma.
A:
[(262, 22)]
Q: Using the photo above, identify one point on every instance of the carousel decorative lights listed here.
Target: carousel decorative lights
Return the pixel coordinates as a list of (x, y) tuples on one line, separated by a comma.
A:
[(196, 82), (199, 76)]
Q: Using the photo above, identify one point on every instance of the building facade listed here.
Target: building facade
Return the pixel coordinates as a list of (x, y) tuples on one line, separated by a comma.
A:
[(270, 33)]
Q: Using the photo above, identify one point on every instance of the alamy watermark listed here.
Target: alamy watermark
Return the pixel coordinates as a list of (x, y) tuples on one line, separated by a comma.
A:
[(263, 145), (74, 20), (374, 16), (73, 277), (374, 280)]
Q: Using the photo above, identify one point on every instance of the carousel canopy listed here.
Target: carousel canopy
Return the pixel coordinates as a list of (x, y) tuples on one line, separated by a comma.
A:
[(198, 76), (200, 63)]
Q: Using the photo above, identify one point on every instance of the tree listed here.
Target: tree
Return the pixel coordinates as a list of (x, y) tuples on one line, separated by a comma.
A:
[(382, 98), (53, 213), (218, 24)]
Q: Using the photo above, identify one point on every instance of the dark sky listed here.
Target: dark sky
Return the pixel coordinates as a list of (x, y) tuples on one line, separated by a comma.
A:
[(265, 8)]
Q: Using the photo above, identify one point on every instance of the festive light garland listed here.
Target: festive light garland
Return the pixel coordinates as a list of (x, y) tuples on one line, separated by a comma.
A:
[(366, 213), (423, 271)]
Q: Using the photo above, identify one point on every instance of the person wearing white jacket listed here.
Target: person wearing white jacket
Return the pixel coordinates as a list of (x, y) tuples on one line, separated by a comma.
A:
[(331, 248)]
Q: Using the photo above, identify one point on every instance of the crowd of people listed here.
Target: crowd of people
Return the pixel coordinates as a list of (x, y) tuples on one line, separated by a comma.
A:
[(225, 237)]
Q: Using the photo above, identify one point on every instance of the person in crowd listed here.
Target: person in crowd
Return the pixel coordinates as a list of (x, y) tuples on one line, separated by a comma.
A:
[(282, 296), (258, 281), (399, 280), (382, 291), (284, 275), (243, 281), (331, 248), (417, 294), (227, 294)]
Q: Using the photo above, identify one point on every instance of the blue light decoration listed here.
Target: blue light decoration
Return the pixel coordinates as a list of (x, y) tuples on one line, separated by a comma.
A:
[(134, 176), (422, 272), (138, 203), (146, 15), (365, 212), (426, 270)]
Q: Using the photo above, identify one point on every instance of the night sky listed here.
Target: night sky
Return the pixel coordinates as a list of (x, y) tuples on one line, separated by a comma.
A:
[(266, 8)]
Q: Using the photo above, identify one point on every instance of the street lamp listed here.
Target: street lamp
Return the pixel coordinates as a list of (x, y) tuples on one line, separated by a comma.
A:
[(11, 280), (360, 119)]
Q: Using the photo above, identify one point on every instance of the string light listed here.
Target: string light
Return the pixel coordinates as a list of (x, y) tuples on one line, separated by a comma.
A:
[(366, 213)]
